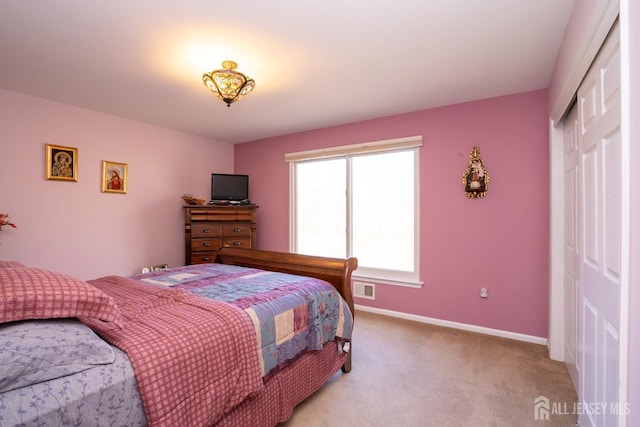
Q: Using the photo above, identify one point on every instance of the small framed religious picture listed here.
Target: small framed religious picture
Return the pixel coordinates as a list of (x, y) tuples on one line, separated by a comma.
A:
[(61, 163), (114, 177), (476, 178)]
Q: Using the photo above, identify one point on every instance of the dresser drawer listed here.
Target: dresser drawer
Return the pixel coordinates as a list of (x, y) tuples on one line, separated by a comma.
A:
[(204, 245), (237, 242), (205, 229), (208, 228), (236, 229), (201, 257)]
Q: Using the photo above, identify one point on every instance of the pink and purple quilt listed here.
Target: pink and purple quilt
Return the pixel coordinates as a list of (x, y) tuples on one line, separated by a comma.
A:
[(291, 314)]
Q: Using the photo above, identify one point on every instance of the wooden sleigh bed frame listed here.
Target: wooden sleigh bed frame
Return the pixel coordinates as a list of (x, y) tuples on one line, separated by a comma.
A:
[(280, 390), (336, 271)]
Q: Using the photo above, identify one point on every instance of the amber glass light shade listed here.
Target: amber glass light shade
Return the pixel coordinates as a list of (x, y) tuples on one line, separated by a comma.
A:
[(228, 84)]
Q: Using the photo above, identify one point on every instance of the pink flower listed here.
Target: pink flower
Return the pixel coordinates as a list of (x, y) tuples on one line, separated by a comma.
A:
[(4, 220)]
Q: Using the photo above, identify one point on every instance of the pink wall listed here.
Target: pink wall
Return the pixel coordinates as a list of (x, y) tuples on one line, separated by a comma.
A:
[(500, 242), (73, 227)]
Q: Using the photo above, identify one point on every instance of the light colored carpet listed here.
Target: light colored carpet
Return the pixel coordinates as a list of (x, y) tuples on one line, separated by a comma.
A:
[(407, 373)]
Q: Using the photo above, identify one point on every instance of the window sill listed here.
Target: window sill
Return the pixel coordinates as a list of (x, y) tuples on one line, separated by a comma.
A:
[(386, 281)]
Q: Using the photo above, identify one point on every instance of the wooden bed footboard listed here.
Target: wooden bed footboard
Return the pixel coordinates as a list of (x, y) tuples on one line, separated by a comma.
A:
[(336, 271)]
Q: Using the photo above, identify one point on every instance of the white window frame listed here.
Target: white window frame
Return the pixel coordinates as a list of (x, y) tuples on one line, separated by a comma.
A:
[(391, 277)]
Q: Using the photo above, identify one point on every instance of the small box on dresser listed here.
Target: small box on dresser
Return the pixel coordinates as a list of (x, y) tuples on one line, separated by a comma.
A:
[(207, 228)]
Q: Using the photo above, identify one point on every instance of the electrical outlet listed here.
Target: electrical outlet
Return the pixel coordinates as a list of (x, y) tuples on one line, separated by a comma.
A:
[(484, 293)]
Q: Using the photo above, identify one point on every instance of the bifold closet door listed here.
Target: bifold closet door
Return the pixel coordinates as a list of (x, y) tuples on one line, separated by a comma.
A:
[(599, 237)]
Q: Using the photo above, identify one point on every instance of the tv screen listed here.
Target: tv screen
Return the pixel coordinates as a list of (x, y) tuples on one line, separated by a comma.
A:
[(229, 187)]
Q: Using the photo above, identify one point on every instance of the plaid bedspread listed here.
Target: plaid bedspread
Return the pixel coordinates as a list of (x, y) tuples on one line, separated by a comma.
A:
[(188, 353), (291, 314)]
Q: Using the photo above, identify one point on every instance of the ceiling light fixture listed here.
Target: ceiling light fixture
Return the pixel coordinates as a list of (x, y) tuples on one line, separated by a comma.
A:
[(228, 84)]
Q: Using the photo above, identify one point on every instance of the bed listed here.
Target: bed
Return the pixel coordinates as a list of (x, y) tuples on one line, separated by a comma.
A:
[(170, 347)]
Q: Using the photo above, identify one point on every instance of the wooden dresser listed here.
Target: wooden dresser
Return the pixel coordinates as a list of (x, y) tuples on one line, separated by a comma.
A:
[(209, 227)]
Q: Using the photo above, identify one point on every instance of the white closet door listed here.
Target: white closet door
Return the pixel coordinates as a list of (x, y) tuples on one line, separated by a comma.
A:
[(600, 221)]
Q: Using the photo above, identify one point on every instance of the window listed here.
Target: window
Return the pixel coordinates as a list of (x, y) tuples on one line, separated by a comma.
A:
[(360, 200)]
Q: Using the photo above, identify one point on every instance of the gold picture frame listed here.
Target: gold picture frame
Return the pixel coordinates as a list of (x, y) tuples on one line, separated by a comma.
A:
[(114, 177), (475, 178), (61, 163)]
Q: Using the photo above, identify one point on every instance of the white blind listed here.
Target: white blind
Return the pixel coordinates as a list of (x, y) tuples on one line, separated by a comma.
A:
[(366, 147)]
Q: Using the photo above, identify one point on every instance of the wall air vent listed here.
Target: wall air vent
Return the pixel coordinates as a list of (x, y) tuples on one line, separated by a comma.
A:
[(365, 290)]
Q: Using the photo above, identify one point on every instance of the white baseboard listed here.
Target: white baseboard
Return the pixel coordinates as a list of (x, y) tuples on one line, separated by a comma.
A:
[(456, 325)]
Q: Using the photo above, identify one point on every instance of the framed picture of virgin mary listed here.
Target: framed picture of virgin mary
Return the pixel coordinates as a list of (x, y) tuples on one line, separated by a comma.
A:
[(114, 177), (475, 178), (61, 163)]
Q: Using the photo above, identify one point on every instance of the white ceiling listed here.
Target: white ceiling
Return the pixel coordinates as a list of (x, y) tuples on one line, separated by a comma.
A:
[(316, 64)]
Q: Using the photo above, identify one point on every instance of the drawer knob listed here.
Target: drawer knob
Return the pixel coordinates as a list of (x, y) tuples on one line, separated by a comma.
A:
[(237, 243), (236, 230), (206, 230), (206, 244), (206, 258)]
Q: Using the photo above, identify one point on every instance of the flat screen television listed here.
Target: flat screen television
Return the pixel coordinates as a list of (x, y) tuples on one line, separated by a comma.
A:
[(228, 187)]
